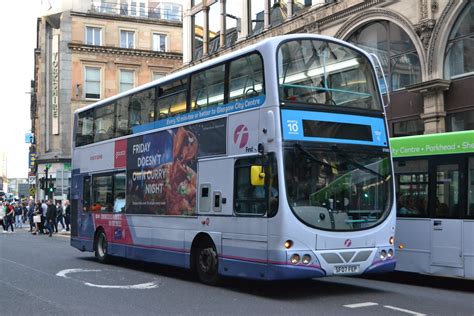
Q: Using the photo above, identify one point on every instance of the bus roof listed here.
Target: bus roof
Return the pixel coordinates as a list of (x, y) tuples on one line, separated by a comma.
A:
[(272, 41), (433, 144)]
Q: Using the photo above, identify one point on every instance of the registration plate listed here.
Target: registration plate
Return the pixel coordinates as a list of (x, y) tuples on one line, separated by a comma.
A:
[(347, 269)]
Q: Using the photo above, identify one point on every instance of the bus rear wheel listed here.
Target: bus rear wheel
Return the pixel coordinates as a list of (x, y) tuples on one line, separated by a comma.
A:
[(207, 263), (101, 247)]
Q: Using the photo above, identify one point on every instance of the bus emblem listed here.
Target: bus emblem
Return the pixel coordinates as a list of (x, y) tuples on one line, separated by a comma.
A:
[(347, 242), (241, 135)]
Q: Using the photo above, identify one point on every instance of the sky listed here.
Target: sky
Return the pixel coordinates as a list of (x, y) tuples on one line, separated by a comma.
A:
[(16, 64)]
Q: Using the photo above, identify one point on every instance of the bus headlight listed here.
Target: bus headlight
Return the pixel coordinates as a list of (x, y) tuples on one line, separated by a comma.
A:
[(306, 259), (383, 255), (390, 253), (295, 258)]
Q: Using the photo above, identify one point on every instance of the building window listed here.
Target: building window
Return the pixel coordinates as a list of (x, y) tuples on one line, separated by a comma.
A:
[(127, 39), (395, 49), (408, 128), (278, 12), (459, 57), (213, 31), (159, 42), (92, 83), (460, 121), (158, 75), (93, 35), (126, 80), (256, 16), (198, 35), (302, 5)]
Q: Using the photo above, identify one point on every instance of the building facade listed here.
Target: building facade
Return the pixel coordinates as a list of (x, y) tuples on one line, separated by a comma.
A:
[(426, 47), (87, 51)]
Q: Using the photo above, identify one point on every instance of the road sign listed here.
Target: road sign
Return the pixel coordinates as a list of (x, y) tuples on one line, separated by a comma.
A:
[(31, 180)]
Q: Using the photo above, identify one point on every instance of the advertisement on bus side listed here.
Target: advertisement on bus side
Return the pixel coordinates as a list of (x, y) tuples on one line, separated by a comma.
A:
[(162, 167)]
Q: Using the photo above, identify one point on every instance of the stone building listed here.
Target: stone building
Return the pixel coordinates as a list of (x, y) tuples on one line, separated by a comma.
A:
[(87, 51), (425, 46)]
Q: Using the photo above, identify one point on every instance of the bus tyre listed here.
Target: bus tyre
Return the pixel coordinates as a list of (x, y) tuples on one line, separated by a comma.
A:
[(101, 247), (207, 263)]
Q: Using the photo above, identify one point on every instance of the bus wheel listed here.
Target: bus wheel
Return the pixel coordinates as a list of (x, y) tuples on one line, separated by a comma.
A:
[(207, 263), (101, 247)]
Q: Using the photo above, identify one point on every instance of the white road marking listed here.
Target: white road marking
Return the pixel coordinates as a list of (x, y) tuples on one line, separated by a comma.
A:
[(404, 310), (63, 273), (142, 286), (359, 305)]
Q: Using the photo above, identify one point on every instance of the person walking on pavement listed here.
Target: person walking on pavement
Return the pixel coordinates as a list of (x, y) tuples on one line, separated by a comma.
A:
[(67, 214), (10, 211), (60, 218), (51, 214), (18, 215), (3, 213), (30, 214)]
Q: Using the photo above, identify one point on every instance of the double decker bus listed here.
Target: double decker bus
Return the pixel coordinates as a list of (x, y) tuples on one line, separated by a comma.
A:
[(271, 162), (435, 190)]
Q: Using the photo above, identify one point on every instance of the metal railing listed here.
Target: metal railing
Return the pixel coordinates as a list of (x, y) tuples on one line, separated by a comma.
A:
[(168, 11)]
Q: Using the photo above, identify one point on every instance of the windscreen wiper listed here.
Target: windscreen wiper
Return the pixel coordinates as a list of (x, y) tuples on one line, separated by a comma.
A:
[(355, 163), (312, 157)]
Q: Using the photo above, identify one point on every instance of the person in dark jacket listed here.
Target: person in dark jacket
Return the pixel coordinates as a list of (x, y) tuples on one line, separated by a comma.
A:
[(51, 214), (67, 214)]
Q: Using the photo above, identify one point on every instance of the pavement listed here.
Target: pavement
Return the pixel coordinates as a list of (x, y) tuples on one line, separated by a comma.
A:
[(26, 228)]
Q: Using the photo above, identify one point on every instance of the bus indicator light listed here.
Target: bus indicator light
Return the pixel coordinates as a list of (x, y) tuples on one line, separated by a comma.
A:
[(391, 240), (288, 244)]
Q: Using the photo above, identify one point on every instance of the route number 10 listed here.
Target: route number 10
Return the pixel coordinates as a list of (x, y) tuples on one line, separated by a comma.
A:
[(293, 127)]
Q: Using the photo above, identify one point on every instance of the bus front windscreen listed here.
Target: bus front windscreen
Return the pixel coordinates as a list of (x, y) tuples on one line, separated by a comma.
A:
[(338, 191), (316, 72)]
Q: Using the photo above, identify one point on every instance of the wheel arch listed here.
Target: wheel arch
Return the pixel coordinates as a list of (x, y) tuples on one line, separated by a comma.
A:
[(213, 238)]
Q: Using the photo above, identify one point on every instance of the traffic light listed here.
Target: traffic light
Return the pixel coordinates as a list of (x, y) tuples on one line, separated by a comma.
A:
[(42, 183), (51, 187)]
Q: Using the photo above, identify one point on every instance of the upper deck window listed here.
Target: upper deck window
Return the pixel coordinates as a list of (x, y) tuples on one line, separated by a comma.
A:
[(323, 73), (246, 77), (207, 87)]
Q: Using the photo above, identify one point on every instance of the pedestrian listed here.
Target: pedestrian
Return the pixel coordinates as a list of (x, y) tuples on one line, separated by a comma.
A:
[(24, 207), (18, 215), (67, 214), (30, 214), (10, 215), (37, 215), (60, 218), (51, 215), (44, 209), (2, 216)]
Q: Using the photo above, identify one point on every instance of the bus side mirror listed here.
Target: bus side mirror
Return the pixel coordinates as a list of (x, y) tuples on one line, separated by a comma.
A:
[(257, 176)]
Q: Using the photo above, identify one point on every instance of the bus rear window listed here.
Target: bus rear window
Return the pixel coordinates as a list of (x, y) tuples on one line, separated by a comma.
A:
[(85, 128)]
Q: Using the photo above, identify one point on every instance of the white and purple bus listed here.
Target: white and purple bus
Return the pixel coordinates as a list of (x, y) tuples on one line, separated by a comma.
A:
[(271, 162)]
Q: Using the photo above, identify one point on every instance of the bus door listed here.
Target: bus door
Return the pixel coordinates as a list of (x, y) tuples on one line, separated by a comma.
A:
[(447, 185), (86, 227)]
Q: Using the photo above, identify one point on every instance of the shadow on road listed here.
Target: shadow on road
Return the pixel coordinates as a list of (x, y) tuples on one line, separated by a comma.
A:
[(294, 289), (444, 283)]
